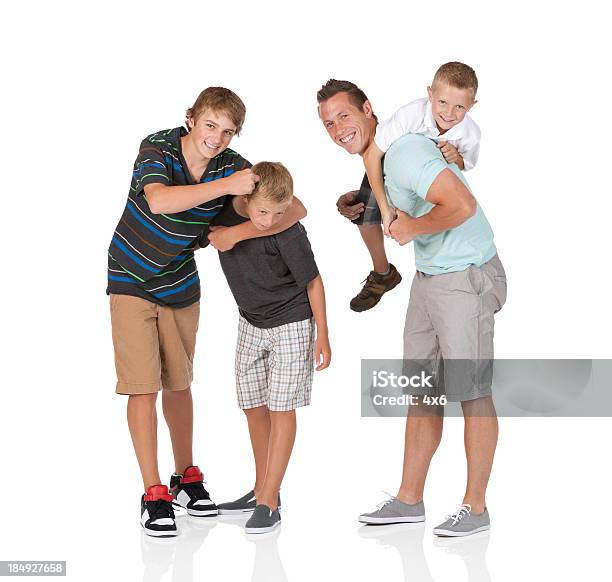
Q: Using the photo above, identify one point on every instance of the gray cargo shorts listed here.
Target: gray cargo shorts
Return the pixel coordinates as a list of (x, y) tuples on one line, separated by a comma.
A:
[(449, 329)]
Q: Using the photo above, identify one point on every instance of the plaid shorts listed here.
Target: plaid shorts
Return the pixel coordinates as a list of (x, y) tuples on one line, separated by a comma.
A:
[(371, 212), (274, 366)]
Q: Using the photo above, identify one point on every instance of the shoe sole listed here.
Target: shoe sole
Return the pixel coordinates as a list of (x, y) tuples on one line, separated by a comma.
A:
[(160, 534), (378, 301), (196, 512), (391, 520), (456, 534), (261, 530), (235, 511)]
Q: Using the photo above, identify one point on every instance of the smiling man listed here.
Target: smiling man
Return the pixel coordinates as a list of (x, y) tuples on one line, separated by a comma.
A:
[(459, 285), (348, 131)]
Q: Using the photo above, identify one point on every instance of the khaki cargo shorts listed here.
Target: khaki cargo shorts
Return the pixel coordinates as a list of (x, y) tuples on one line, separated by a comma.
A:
[(449, 329), (154, 345)]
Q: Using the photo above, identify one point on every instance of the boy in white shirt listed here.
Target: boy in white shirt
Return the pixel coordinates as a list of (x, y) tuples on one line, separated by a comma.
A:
[(442, 116)]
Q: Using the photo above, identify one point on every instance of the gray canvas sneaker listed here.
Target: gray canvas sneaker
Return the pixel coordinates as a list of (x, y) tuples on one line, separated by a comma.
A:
[(464, 523), (394, 511), (246, 504), (263, 520)]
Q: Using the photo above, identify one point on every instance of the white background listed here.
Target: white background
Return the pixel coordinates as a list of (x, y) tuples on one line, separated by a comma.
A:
[(84, 83)]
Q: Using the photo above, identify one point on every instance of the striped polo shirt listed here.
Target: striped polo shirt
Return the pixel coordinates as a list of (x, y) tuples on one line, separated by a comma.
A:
[(151, 255)]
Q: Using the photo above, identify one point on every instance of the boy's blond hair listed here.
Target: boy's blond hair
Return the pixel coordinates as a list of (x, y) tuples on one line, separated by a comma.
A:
[(275, 182), (457, 75), (219, 100)]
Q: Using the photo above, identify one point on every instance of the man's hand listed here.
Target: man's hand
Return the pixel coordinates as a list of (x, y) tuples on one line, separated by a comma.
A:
[(402, 228), (322, 352), (346, 205), (221, 238), (242, 182), (450, 152)]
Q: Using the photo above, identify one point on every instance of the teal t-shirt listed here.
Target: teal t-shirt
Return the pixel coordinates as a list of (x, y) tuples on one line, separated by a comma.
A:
[(411, 165)]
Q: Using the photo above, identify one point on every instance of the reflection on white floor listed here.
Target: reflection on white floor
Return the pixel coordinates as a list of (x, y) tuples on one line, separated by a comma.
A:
[(407, 539), (161, 555), (177, 555)]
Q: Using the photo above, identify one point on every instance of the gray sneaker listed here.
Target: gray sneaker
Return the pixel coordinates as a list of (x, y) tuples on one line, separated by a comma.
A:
[(464, 523), (394, 511), (263, 520), (246, 504)]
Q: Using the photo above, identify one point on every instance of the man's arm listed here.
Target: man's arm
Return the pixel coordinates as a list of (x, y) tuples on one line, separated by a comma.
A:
[(164, 199), (454, 204), (316, 296), (223, 238)]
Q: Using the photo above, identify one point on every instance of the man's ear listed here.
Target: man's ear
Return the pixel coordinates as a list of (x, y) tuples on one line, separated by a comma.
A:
[(190, 123), (429, 93), (367, 109), (472, 105)]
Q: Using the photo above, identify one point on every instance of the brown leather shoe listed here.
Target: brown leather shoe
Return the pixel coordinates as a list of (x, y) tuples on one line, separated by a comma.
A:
[(376, 285)]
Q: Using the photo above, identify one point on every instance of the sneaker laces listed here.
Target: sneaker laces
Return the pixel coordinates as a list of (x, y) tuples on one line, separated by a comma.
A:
[(370, 282), (390, 499), (462, 512), (160, 509)]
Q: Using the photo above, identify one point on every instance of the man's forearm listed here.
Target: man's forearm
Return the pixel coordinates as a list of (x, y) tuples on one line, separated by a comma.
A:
[(441, 218)]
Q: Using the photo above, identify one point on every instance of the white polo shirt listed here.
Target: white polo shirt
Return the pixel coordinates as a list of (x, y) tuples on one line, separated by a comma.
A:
[(416, 117)]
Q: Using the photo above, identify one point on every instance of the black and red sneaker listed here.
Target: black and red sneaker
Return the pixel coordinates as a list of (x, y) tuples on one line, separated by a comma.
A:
[(188, 492), (156, 513)]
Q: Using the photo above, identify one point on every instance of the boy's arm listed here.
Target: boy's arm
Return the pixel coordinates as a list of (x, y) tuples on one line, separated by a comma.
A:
[(316, 296), (163, 199), (372, 159), (224, 238)]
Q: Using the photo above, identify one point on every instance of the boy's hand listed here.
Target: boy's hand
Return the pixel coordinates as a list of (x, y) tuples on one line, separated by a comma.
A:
[(242, 182), (347, 207), (388, 216), (401, 229), (450, 152), (220, 238), (322, 352)]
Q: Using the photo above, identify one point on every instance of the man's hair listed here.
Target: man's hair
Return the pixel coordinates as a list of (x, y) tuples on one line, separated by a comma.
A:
[(275, 182), (457, 75), (219, 100), (334, 86)]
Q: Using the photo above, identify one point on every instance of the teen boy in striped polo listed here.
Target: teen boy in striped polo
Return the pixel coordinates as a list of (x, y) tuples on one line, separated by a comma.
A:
[(180, 181)]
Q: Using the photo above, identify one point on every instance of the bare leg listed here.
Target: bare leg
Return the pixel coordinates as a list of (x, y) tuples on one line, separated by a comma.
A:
[(282, 437), (373, 237), (481, 430), (178, 412), (258, 420), (142, 421), (423, 435)]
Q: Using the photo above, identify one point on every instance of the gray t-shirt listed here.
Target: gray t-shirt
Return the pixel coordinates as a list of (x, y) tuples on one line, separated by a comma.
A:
[(268, 275)]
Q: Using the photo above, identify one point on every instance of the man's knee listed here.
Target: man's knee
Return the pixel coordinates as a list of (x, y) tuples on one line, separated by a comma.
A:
[(479, 407), (420, 408)]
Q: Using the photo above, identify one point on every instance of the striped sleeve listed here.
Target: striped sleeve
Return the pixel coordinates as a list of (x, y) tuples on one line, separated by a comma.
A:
[(151, 166)]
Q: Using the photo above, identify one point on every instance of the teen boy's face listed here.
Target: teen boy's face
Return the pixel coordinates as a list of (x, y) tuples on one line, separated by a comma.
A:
[(264, 214), (449, 105), (211, 133), (349, 126)]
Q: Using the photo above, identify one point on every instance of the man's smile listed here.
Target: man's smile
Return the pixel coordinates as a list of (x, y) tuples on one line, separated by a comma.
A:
[(347, 138)]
